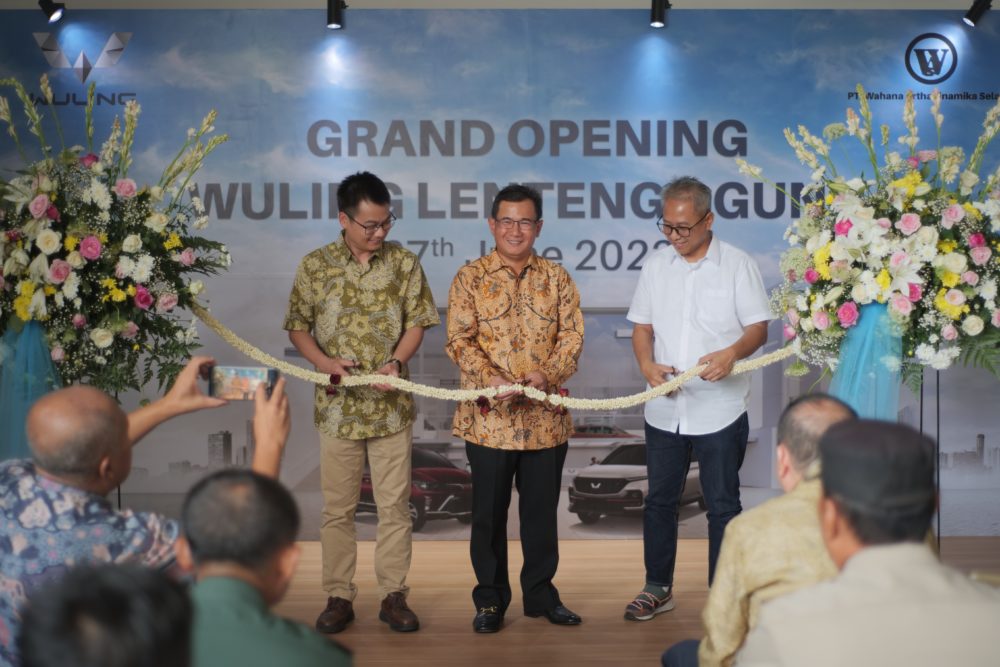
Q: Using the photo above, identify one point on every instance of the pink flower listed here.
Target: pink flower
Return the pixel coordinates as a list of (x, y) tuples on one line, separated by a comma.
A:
[(847, 314), (125, 188), (186, 257), (913, 162), (793, 317), (788, 331), (995, 320), (130, 330), (977, 240), (57, 354), (980, 255), (90, 247), (811, 275), (949, 332), (955, 297), (59, 270), (884, 223), (143, 299), (38, 206), (916, 292), (926, 156), (89, 160), (821, 320), (901, 304), (908, 223), (951, 215), (166, 302), (970, 278), (79, 321), (52, 213), (898, 259), (842, 227)]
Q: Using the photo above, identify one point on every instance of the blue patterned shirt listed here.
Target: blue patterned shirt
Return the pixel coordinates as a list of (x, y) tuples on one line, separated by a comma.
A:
[(47, 527)]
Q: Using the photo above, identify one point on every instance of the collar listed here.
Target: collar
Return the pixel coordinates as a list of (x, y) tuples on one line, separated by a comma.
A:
[(713, 255), (493, 263), (342, 252), (885, 558)]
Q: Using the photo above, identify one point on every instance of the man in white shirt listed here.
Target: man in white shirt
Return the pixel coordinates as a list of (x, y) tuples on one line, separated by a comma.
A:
[(699, 301)]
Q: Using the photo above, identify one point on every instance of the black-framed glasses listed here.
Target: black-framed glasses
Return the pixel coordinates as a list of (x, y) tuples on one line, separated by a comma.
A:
[(524, 224), (682, 232), (370, 228)]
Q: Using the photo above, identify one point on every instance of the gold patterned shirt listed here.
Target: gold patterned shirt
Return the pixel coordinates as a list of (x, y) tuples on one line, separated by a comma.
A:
[(360, 311), (501, 323), (767, 552)]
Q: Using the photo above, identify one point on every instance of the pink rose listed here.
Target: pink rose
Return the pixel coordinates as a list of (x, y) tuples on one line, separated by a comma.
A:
[(901, 304), (89, 160), (38, 206), (908, 223), (970, 278), (884, 223), (821, 320), (186, 257), (843, 227), (995, 320), (980, 255), (811, 275), (79, 321), (847, 314), (913, 162), (52, 213), (949, 332), (143, 299), (90, 247), (951, 215), (898, 259), (926, 156), (955, 297), (57, 354), (916, 292), (125, 188), (166, 302), (793, 317), (788, 331), (977, 240), (59, 271), (130, 330)]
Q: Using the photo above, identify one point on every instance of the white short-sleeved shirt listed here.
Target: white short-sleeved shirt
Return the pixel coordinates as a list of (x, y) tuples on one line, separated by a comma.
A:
[(696, 308)]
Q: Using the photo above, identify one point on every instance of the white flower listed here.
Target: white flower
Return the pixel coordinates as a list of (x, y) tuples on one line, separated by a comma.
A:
[(39, 268), (972, 325), (156, 193), (132, 243), (967, 181), (157, 222), (101, 337), (199, 207), (125, 267), (856, 184), (75, 259), (988, 289), (748, 169), (924, 352), (37, 306), (143, 268), (48, 241), (953, 261), (201, 222), (71, 285)]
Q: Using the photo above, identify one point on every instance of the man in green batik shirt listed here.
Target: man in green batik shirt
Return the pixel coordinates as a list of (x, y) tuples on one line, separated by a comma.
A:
[(360, 305)]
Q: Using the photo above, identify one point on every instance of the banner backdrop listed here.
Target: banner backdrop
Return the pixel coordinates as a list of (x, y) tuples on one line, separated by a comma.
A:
[(592, 107)]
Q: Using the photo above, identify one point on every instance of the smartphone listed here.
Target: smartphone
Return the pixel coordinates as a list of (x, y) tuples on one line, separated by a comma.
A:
[(239, 383)]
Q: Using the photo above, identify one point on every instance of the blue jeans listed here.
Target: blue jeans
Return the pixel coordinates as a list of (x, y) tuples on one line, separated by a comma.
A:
[(668, 458)]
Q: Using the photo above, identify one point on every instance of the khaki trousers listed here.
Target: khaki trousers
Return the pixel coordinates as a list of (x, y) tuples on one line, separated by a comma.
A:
[(342, 464)]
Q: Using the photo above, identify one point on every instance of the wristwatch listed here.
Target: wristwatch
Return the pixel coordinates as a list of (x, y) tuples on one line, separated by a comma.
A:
[(399, 364)]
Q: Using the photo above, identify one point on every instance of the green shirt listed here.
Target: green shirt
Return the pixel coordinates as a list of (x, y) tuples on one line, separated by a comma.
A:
[(359, 312), (232, 626)]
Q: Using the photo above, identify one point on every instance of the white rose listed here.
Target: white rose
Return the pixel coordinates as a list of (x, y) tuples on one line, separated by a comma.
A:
[(972, 325), (196, 287), (101, 337), (156, 193), (927, 235), (157, 222), (132, 243), (954, 262), (860, 293), (48, 241), (75, 259)]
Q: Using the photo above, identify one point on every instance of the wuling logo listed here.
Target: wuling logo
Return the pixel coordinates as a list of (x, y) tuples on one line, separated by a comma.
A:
[(931, 58), (110, 54)]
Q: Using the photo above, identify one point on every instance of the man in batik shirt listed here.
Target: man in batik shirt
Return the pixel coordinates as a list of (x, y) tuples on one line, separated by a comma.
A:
[(360, 305), (514, 318)]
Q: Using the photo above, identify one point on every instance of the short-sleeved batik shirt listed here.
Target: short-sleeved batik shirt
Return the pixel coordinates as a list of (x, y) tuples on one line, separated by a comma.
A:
[(47, 527), (359, 312)]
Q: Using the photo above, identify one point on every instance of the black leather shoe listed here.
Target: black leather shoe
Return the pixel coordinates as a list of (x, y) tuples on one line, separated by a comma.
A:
[(558, 615), (488, 619)]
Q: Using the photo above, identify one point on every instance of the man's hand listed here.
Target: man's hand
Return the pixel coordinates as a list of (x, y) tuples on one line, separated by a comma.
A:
[(272, 422), (336, 366), (536, 379), (656, 374), (720, 364), (185, 395), (389, 369), (500, 381)]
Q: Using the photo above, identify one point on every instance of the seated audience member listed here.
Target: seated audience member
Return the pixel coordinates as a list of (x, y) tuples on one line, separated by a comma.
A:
[(107, 616), (239, 532), (53, 509), (773, 549), (893, 602)]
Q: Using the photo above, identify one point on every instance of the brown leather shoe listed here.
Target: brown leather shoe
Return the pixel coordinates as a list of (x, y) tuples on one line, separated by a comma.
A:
[(397, 614), (338, 615)]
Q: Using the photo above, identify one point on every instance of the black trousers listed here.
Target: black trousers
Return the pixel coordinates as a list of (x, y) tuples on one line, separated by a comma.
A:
[(538, 476)]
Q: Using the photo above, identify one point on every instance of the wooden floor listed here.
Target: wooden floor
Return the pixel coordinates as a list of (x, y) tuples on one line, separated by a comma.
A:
[(596, 579)]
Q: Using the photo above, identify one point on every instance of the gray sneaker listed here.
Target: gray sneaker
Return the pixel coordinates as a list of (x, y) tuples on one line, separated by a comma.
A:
[(646, 605)]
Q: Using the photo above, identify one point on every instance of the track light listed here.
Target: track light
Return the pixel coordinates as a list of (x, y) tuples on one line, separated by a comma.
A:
[(335, 14), (658, 13), (976, 12), (53, 10)]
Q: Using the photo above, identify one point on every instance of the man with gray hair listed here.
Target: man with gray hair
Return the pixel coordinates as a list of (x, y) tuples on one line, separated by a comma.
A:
[(773, 549), (698, 301)]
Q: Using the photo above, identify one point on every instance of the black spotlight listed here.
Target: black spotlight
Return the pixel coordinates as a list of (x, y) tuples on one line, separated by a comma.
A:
[(976, 12), (335, 14), (53, 10), (658, 13)]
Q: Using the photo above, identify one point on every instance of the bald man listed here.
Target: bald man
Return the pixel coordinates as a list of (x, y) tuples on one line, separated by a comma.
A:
[(53, 509)]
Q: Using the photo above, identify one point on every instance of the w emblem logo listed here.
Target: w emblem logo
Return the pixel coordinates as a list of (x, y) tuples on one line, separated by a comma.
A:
[(110, 54), (931, 58)]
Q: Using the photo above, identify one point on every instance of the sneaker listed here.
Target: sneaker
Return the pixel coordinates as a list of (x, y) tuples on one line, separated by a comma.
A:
[(646, 605)]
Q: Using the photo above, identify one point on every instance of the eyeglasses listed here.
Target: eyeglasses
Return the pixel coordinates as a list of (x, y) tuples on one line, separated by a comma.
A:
[(370, 228), (682, 232), (524, 224)]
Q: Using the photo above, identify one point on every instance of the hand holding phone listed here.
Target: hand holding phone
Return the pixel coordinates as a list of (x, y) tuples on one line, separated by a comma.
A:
[(239, 383)]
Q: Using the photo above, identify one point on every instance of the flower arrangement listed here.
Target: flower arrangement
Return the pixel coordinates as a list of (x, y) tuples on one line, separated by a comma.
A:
[(918, 235), (104, 265)]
